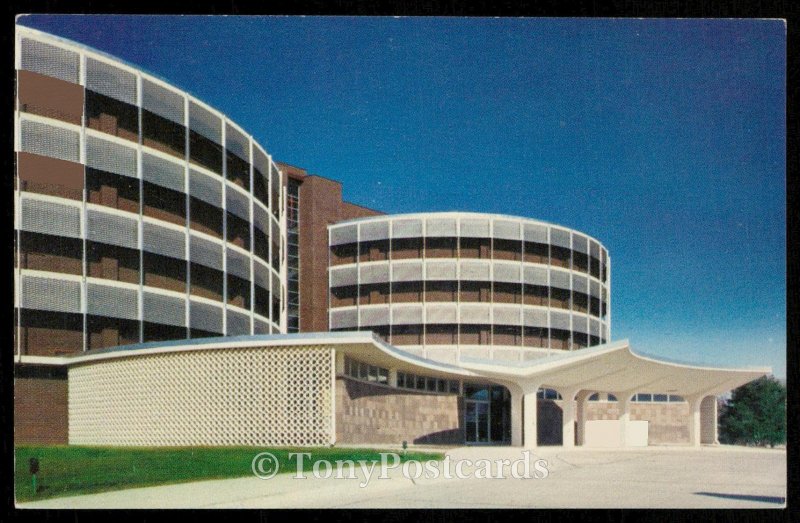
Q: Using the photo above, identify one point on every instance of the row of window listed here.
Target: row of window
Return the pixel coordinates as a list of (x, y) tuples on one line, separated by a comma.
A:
[(410, 381), (478, 248), (111, 116), (292, 255), (124, 193), (467, 291), (50, 333), (642, 398), (51, 253), (552, 394), (365, 372), (472, 334)]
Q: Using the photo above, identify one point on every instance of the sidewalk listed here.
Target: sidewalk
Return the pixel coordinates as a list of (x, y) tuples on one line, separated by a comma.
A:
[(647, 477)]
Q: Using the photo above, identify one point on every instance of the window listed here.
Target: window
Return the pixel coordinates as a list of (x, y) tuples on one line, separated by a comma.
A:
[(426, 383), (474, 247), (207, 218), (441, 247), (507, 250), (163, 135), (112, 116), (598, 397), (343, 254), (406, 248), (52, 253), (238, 170), (580, 261), (164, 204), (537, 252), (238, 231), (365, 372), (112, 190), (407, 334), (205, 152), (548, 394), (655, 398)]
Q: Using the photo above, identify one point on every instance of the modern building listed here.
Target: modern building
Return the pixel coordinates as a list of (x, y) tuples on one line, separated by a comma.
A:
[(174, 285), (442, 285)]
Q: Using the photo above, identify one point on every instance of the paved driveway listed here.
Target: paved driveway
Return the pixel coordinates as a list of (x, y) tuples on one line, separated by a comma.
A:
[(651, 477)]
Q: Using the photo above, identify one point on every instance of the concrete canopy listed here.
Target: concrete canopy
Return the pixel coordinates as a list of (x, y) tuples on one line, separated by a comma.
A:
[(614, 367)]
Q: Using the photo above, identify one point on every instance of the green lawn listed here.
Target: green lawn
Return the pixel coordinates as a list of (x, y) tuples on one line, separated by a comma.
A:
[(72, 470)]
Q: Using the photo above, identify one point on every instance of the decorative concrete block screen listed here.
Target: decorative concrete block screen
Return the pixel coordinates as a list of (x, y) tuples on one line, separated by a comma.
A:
[(239, 396)]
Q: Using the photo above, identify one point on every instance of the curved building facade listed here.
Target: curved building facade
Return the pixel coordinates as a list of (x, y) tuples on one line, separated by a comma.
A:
[(142, 214), (445, 285)]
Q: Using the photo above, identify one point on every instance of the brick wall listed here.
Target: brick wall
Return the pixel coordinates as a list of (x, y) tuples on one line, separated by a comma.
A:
[(367, 413), (321, 204), (40, 411), (669, 422)]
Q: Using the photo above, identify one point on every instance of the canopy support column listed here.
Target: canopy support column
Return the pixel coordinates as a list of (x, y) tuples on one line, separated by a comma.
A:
[(708, 420), (516, 415), (568, 418), (580, 404), (624, 403), (694, 420), (529, 412), (702, 420)]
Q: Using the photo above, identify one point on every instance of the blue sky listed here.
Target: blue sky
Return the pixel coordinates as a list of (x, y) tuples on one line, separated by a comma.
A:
[(664, 139)]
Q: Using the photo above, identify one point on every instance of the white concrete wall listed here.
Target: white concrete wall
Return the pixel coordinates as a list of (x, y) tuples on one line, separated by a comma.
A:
[(606, 433)]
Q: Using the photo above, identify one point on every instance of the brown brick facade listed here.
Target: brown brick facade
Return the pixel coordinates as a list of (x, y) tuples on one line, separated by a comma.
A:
[(368, 413), (50, 97), (49, 333), (40, 411), (321, 204), (668, 422), (51, 176)]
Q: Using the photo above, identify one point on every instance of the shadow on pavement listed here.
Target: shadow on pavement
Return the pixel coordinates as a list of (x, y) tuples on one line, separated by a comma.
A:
[(745, 497)]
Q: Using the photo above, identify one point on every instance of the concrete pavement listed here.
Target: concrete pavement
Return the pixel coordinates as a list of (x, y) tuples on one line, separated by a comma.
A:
[(674, 477)]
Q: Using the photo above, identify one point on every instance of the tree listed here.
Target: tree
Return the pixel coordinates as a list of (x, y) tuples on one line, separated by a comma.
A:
[(755, 414)]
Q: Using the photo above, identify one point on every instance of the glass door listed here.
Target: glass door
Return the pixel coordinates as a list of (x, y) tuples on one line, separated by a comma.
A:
[(476, 421)]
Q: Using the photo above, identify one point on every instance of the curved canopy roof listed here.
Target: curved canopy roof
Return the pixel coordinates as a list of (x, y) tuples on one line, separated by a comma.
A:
[(612, 367)]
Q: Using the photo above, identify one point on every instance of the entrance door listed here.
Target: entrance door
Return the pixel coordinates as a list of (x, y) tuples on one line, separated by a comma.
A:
[(476, 421), (487, 414)]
